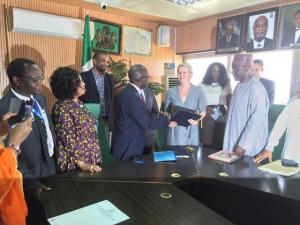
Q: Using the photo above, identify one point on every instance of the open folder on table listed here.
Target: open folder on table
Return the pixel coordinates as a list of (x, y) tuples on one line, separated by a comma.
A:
[(104, 213), (181, 115), (224, 156), (164, 156)]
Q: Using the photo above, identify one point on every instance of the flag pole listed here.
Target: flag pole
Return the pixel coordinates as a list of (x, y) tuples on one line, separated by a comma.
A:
[(6, 33)]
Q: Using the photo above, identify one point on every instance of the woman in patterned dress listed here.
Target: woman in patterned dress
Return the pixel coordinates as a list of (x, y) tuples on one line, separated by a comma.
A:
[(75, 127)]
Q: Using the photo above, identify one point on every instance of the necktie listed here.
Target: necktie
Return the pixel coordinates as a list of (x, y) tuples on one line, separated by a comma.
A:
[(142, 97), (36, 109), (259, 45), (39, 120)]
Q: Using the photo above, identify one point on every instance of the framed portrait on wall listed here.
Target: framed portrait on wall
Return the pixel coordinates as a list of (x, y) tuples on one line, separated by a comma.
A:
[(229, 34), (106, 36), (261, 28), (137, 41), (289, 27)]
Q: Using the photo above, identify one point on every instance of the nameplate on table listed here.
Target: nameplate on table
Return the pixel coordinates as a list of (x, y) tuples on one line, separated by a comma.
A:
[(104, 213), (224, 156), (164, 156)]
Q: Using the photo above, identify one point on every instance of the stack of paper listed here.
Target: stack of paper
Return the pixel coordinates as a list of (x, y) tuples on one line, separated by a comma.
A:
[(276, 168), (104, 213), (224, 156)]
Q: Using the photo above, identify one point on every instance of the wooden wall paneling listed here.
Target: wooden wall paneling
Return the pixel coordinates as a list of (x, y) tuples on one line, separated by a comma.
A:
[(52, 52)]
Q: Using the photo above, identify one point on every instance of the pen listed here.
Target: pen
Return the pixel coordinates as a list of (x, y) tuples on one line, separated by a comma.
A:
[(183, 156)]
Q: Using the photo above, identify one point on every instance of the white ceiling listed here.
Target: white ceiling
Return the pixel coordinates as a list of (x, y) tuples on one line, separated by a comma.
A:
[(165, 9)]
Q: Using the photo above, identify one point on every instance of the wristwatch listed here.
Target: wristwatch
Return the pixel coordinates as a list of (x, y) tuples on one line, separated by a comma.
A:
[(15, 147)]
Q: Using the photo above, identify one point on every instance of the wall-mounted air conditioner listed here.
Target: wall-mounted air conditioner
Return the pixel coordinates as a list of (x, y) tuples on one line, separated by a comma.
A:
[(171, 81), (33, 22)]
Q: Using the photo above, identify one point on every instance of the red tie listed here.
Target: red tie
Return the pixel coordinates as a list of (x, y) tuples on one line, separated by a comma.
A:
[(142, 97)]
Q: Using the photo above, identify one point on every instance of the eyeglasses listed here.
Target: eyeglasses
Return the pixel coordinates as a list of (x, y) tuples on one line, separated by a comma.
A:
[(34, 79)]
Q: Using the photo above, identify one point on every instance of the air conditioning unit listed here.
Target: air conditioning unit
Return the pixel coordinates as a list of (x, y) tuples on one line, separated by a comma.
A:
[(171, 81), (33, 22)]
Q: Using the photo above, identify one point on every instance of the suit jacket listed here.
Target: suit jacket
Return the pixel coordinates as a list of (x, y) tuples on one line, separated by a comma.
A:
[(270, 88), (32, 161), (92, 95), (131, 123), (268, 44), (289, 37), (234, 41)]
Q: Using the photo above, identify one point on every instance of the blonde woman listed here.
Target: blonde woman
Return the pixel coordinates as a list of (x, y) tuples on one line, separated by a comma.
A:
[(188, 96)]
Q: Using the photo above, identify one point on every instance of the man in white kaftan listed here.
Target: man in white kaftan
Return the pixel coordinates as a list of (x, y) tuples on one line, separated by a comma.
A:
[(246, 130)]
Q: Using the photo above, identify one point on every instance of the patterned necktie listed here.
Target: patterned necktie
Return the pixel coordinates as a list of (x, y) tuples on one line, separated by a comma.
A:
[(39, 120)]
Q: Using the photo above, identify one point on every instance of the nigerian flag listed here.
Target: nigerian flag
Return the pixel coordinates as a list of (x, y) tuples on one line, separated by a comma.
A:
[(86, 62)]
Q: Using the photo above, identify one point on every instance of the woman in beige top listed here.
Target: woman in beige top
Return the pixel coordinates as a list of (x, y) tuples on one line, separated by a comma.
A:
[(217, 91)]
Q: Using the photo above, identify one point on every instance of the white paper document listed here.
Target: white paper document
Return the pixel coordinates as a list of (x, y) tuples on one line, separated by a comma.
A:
[(104, 213)]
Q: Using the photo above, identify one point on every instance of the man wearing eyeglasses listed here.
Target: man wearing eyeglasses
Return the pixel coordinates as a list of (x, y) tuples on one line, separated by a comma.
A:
[(36, 159)]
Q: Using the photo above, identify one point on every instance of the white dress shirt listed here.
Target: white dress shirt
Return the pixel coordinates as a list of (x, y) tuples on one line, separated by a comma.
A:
[(297, 35), (140, 91), (257, 44)]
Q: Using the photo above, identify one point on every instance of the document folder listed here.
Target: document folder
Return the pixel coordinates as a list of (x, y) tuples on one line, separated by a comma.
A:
[(181, 115), (276, 168), (164, 156), (104, 213)]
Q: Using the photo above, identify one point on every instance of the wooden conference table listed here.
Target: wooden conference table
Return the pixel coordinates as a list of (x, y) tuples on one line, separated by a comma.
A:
[(245, 196)]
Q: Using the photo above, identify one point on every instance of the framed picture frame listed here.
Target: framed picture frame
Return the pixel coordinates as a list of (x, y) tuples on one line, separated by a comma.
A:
[(107, 36), (261, 30), (229, 34), (137, 41), (289, 27)]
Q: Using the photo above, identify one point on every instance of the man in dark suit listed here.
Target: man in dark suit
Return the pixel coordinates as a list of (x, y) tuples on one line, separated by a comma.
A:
[(260, 41), (36, 159), (132, 119), (291, 35), (257, 70), (100, 88), (229, 39)]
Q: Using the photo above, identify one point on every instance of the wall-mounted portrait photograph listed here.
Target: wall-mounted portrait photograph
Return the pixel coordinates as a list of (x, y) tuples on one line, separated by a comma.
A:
[(261, 28), (229, 34), (289, 27)]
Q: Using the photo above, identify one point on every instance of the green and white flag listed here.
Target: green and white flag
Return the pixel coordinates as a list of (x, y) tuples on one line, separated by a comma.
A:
[(87, 62)]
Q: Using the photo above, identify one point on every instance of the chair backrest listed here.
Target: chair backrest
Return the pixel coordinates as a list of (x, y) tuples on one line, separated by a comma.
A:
[(103, 141), (274, 112)]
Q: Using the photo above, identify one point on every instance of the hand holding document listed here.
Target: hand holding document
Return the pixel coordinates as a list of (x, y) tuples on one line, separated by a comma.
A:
[(183, 116)]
